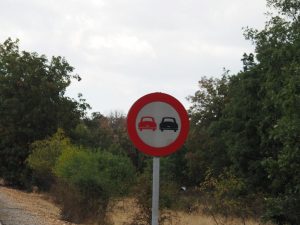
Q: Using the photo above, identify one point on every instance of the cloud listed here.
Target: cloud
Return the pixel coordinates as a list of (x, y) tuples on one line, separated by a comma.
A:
[(121, 43), (126, 48)]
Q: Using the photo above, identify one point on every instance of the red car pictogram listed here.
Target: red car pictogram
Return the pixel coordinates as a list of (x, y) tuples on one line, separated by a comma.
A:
[(147, 123)]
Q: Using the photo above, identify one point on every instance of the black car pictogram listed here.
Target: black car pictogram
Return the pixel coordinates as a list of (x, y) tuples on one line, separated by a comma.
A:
[(168, 123)]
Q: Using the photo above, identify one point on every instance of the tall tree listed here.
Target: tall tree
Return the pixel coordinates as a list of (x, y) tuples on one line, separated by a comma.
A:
[(206, 152), (259, 126), (33, 104), (278, 53)]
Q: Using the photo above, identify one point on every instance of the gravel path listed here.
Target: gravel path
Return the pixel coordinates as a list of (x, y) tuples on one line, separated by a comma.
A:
[(19, 208), (12, 213)]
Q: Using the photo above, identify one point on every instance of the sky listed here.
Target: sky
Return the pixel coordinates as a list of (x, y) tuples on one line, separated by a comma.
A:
[(124, 49)]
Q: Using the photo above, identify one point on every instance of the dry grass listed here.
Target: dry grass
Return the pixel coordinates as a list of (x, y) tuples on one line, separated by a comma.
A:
[(123, 211)]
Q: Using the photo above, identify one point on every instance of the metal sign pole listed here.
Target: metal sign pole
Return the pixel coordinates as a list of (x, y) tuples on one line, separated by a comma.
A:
[(155, 191)]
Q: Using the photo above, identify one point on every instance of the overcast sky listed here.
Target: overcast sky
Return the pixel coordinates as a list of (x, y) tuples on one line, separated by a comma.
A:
[(124, 49)]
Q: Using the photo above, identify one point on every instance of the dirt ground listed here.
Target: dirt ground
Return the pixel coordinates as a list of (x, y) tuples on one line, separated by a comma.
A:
[(21, 208)]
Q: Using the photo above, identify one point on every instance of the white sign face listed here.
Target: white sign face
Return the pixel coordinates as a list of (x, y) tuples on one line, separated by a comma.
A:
[(158, 124)]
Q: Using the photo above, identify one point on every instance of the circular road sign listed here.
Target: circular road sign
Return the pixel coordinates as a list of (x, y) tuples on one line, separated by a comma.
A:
[(157, 124)]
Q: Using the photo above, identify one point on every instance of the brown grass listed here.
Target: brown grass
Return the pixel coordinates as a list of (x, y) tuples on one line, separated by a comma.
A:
[(122, 212)]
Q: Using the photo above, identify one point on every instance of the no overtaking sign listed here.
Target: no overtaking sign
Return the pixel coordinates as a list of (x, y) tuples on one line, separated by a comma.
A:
[(157, 124)]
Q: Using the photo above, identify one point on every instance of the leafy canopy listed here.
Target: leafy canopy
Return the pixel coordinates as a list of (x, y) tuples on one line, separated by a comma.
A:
[(33, 105)]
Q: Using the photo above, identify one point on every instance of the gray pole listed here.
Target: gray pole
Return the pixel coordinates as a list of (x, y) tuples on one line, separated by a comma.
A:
[(155, 191)]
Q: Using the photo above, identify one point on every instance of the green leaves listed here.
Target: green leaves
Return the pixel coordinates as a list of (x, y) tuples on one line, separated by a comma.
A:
[(290, 8), (112, 175), (32, 104), (257, 125), (83, 180), (43, 157)]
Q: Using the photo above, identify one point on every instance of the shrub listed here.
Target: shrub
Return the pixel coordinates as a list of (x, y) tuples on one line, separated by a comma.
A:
[(43, 157), (94, 178), (142, 193), (225, 197)]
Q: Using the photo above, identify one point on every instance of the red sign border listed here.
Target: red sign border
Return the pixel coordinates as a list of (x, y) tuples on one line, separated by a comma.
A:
[(131, 124)]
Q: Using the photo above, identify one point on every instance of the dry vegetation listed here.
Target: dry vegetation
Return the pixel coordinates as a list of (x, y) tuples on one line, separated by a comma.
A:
[(123, 212), (120, 212)]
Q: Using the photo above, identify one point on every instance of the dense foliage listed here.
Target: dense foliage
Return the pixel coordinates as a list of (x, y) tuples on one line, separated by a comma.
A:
[(82, 180), (253, 125), (96, 177), (107, 132), (95, 171), (43, 157), (32, 105)]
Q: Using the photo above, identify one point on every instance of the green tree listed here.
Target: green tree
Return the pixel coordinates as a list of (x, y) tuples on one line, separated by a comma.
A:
[(259, 127), (107, 132), (94, 132), (33, 105), (206, 151), (277, 48)]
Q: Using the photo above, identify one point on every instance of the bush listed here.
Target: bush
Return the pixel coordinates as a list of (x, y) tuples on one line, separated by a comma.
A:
[(143, 195), (92, 179), (43, 157), (281, 209), (225, 197)]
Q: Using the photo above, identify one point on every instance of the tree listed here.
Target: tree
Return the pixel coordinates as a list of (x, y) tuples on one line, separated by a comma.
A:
[(94, 132), (33, 105), (277, 48), (205, 151), (107, 132), (259, 126)]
